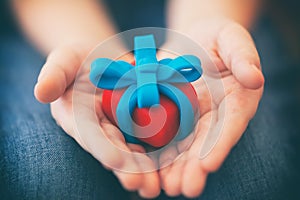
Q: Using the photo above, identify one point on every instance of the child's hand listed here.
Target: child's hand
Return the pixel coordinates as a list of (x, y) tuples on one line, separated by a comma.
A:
[(55, 86), (225, 112)]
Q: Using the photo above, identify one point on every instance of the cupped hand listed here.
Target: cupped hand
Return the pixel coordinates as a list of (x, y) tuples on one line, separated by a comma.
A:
[(100, 138), (229, 93)]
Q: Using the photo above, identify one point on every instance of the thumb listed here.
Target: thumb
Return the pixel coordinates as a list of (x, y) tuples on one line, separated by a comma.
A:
[(238, 51), (58, 73)]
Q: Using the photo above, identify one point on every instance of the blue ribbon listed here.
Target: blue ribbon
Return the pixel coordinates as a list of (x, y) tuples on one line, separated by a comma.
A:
[(146, 81)]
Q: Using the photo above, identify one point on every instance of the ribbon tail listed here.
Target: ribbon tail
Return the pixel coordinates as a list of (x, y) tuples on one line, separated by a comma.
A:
[(187, 116), (124, 111), (186, 67), (108, 74)]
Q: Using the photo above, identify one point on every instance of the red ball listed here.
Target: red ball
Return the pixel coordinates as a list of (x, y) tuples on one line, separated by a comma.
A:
[(165, 122)]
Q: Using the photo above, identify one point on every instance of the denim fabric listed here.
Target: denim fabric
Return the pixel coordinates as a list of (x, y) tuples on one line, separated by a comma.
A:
[(135, 13), (39, 161)]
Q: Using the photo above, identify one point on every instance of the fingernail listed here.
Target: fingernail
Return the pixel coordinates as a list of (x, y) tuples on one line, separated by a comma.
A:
[(40, 77)]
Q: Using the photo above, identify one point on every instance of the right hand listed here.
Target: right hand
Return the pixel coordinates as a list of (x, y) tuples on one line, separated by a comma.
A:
[(228, 92), (56, 86)]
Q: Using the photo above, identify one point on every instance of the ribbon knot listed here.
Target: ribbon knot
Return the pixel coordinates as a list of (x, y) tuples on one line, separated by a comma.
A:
[(146, 80), (147, 90)]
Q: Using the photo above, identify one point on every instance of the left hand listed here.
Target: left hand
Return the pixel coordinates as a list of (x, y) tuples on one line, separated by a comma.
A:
[(77, 109), (224, 114)]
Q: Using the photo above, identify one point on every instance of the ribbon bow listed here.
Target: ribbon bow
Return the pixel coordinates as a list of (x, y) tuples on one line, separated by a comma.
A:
[(146, 80)]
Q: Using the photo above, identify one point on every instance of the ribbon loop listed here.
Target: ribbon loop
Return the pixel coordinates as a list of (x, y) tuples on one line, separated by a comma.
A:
[(144, 50), (108, 74), (187, 66)]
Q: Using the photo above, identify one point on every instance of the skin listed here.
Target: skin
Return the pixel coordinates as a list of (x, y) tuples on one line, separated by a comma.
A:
[(67, 41)]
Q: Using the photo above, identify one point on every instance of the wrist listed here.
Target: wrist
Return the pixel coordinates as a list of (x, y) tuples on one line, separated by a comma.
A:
[(83, 48), (199, 31), (187, 14)]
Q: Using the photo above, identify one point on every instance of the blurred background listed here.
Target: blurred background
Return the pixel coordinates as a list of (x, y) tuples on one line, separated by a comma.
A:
[(277, 36), (282, 16)]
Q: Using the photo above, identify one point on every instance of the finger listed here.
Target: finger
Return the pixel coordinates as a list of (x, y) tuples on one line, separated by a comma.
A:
[(136, 148), (228, 128), (145, 180), (189, 148), (133, 173), (107, 145), (58, 73), (167, 157), (129, 172), (130, 181), (85, 130), (194, 178), (172, 180), (238, 52), (151, 184)]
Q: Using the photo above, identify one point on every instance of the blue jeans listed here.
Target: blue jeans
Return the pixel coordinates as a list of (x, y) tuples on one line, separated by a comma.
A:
[(39, 161)]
